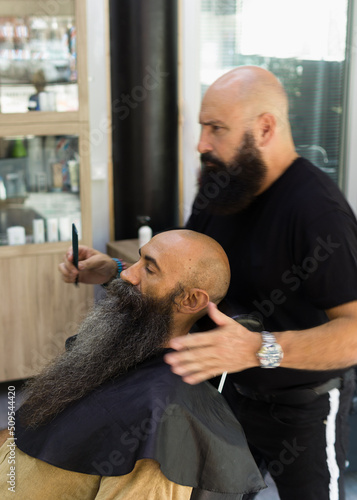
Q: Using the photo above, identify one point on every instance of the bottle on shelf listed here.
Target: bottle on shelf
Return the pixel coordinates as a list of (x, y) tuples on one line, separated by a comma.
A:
[(36, 175), (18, 150), (50, 159), (73, 170), (145, 231)]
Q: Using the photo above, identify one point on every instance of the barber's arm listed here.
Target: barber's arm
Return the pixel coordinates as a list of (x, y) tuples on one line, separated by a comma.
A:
[(330, 346), (232, 348), (94, 267)]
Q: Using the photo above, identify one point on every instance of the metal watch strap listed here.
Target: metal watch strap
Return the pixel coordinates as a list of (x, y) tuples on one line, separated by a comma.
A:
[(270, 354), (268, 337)]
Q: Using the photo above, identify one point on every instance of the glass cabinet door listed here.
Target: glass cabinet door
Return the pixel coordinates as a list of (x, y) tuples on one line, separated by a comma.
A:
[(38, 56), (39, 189)]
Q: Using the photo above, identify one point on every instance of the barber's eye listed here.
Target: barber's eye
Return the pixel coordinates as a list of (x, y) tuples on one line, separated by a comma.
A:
[(148, 270)]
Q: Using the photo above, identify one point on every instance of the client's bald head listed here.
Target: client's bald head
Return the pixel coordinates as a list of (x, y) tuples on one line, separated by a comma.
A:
[(183, 260), (205, 263)]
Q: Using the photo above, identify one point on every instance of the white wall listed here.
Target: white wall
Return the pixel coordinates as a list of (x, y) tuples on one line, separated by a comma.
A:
[(191, 100), (351, 126), (98, 116)]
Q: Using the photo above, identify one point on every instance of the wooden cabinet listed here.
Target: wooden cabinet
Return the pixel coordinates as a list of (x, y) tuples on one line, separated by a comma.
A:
[(128, 250), (38, 310)]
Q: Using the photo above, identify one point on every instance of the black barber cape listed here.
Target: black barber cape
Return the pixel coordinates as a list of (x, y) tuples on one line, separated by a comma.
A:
[(150, 413)]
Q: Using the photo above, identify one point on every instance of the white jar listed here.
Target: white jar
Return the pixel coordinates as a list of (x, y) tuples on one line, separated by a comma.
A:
[(145, 235), (38, 229), (16, 235)]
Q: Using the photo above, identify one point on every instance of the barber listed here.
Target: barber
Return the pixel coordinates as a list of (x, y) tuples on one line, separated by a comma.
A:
[(291, 239)]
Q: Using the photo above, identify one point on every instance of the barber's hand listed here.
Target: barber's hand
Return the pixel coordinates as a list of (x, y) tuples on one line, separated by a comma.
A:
[(94, 267), (228, 348)]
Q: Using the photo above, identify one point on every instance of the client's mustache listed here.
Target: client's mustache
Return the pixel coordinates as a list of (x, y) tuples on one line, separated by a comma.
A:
[(120, 332)]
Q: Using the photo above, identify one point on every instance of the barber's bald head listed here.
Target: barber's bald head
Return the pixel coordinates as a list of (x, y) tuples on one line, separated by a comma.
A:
[(255, 89)]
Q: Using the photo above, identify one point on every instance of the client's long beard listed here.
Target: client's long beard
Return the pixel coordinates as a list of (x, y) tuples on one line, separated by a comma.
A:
[(121, 331)]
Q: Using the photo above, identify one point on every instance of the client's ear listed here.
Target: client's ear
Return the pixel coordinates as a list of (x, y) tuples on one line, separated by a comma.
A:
[(193, 301)]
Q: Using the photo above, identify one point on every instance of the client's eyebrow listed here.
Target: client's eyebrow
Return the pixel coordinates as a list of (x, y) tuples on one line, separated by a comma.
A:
[(150, 259)]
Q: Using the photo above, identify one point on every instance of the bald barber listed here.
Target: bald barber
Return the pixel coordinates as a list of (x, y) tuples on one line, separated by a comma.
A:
[(291, 240)]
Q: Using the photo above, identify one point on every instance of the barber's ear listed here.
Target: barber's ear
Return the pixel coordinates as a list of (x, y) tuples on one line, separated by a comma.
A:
[(266, 125), (193, 301)]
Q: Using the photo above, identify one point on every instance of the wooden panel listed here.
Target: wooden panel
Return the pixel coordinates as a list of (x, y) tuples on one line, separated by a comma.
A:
[(35, 117), (109, 128), (39, 128), (85, 186), (128, 250), (38, 312), (34, 249), (81, 20), (180, 118), (37, 8)]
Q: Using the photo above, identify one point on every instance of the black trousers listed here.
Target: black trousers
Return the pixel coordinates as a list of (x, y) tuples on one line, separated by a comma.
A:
[(303, 447)]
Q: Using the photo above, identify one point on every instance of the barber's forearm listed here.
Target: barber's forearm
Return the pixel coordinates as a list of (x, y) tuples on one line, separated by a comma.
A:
[(232, 348), (331, 346)]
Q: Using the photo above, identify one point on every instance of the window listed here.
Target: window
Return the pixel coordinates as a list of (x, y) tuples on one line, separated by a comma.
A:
[(304, 45)]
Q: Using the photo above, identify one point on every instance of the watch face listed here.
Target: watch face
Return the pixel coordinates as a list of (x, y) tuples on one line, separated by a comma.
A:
[(270, 355)]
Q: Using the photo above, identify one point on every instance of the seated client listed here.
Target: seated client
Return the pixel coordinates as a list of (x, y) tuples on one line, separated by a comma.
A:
[(107, 419)]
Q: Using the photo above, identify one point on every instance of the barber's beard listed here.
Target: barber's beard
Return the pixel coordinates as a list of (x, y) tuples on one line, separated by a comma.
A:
[(229, 188), (123, 330)]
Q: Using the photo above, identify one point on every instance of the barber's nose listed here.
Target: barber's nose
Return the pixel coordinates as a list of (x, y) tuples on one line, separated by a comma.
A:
[(131, 275), (204, 145)]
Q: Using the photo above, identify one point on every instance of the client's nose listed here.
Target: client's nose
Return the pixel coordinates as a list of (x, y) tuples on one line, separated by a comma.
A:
[(131, 275)]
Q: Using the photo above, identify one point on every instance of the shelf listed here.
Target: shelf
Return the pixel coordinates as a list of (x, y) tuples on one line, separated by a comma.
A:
[(20, 8), (128, 250), (32, 249), (41, 119), (29, 84), (39, 309)]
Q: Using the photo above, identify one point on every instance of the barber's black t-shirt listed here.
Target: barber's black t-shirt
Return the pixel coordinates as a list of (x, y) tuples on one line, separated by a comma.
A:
[(293, 255)]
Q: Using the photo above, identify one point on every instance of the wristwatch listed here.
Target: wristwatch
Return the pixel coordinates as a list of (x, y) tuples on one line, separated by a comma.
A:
[(270, 354)]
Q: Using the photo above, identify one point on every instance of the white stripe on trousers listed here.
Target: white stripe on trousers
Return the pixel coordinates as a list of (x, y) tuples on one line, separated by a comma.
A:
[(334, 396)]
